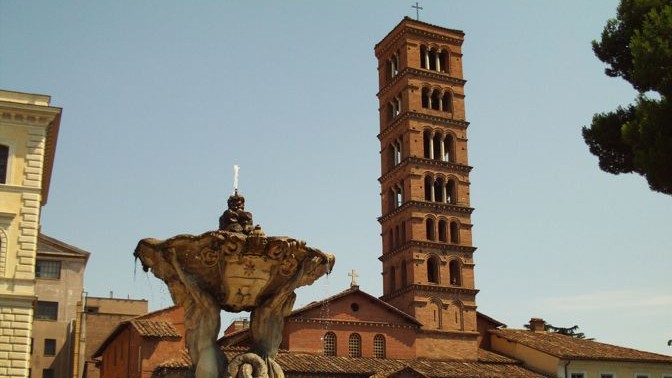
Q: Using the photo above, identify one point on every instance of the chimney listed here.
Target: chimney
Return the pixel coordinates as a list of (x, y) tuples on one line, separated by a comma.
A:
[(537, 325)]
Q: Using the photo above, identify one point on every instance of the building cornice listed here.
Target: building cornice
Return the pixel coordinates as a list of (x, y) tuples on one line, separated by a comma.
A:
[(430, 163), (442, 248), (437, 288), (409, 26), (461, 124), (443, 77), (350, 323), (432, 207)]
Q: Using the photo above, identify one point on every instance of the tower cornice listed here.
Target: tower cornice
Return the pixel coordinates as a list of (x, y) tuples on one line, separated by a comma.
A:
[(423, 73), (427, 206), (442, 247), (437, 288), (409, 26), (454, 167), (422, 117)]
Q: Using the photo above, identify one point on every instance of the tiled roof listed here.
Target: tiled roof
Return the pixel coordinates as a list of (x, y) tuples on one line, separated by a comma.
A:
[(313, 364), (155, 328), (568, 347), (494, 358), (183, 361)]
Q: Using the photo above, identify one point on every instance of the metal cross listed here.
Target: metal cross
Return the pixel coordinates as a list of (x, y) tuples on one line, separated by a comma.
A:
[(417, 10), (354, 276)]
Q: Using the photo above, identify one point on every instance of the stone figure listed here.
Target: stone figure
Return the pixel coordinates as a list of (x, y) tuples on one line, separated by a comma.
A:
[(237, 268), (235, 218)]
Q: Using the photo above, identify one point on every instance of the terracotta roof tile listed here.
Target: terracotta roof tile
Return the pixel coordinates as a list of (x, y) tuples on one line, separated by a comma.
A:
[(155, 328), (568, 347), (307, 364), (183, 361)]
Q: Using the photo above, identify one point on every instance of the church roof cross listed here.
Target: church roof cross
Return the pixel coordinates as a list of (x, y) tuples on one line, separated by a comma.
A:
[(417, 10), (353, 275)]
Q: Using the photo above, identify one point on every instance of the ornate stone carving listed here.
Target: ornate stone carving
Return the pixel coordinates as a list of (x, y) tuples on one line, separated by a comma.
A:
[(236, 268)]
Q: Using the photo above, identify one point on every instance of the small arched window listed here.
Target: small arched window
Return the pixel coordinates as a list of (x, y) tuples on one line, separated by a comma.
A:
[(435, 100), (355, 345), (425, 98), (455, 273), (404, 274), (393, 279), (4, 160), (451, 192), (429, 226), (426, 144), (454, 233), (429, 188), (443, 231), (379, 346), (433, 269), (447, 103), (423, 58), (448, 149), (329, 344), (438, 190)]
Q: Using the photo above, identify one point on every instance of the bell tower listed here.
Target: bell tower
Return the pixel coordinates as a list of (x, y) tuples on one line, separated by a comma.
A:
[(428, 268)]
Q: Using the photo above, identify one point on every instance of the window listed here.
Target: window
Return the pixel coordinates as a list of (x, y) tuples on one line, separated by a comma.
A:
[(4, 158), (46, 310), (91, 309), (48, 373), (443, 230), (393, 279), (454, 233), (577, 375), (642, 375), (404, 276), (49, 347), (355, 345), (433, 270), (329, 344), (379, 346), (455, 273), (606, 375), (48, 269), (451, 192), (429, 228)]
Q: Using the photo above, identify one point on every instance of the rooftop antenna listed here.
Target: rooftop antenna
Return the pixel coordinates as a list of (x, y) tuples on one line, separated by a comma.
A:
[(417, 10)]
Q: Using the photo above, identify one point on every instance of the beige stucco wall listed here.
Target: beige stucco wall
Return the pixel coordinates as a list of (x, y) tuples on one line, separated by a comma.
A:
[(24, 122)]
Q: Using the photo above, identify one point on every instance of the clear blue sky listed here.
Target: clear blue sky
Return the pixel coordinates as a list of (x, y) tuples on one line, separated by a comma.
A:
[(161, 98)]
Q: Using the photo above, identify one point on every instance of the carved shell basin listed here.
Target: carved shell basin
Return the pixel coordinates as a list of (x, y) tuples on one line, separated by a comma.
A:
[(238, 270)]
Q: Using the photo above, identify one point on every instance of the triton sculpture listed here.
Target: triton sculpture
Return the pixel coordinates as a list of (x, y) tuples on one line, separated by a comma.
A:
[(236, 268)]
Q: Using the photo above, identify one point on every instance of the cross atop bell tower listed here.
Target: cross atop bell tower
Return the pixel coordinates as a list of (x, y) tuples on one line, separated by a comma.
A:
[(428, 269)]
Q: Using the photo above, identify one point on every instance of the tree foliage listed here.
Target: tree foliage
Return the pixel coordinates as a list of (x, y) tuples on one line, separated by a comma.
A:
[(637, 46), (570, 331)]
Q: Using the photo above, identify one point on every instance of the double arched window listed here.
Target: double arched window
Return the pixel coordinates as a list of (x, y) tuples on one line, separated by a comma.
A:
[(448, 232), (438, 146), (435, 59)]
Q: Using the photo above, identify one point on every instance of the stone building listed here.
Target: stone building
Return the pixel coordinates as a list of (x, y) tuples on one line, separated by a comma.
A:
[(28, 132), (59, 273)]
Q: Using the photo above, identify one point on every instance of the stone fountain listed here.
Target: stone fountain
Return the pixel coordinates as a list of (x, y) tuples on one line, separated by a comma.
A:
[(236, 268)]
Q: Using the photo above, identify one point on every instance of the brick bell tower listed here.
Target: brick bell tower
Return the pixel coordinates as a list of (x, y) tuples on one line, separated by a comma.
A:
[(428, 268)]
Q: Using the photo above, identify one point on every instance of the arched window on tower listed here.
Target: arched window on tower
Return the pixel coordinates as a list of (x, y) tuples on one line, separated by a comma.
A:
[(432, 59), (435, 99), (437, 313), (448, 149), (4, 163), (446, 102), (455, 273), (423, 55), (437, 144), (329, 344), (379, 346), (403, 232), (391, 198), (433, 269), (451, 192), (438, 190), (426, 144), (454, 233), (355, 345), (443, 231), (404, 275), (425, 98), (429, 188), (445, 61), (400, 194), (393, 279), (429, 226)]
